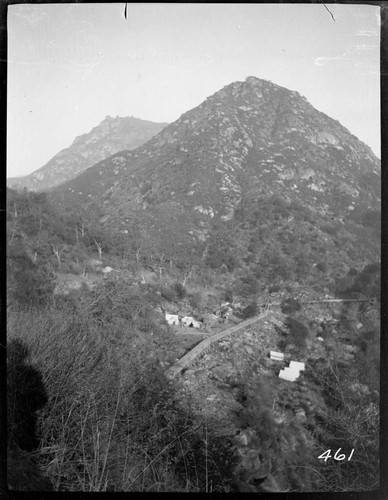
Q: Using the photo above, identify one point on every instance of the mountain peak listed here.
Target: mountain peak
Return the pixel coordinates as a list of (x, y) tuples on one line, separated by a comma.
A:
[(255, 90), (254, 81), (110, 136), (249, 139)]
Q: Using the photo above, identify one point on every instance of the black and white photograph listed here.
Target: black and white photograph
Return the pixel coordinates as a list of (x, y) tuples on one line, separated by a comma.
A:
[(193, 247)]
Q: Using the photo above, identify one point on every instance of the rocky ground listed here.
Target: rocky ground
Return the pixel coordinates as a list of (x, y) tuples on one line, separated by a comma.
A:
[(234, 371)]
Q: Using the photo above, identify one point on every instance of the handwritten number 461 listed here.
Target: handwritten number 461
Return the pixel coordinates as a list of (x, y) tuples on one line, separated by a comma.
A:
[(337, 456)]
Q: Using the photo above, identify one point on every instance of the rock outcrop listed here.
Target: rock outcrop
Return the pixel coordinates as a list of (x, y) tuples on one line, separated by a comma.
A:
[(250, 139)]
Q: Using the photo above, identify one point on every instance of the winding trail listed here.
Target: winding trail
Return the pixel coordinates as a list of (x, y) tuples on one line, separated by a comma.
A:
[(175, 369)]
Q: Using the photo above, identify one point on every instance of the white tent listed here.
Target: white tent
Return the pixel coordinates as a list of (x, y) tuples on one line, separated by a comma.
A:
[(297, 365), (172, 319), (290, 376), (189, 321), (292, 372), (277, 356)]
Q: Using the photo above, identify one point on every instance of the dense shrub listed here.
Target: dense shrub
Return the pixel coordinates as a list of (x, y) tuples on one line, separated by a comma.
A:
[(221, 257), (179, 289), (299, 331), (372, 218), (228, 295), (329, 229), (349, 421), (249, 285), (173, 292), (111, 416), (368, 358), (250, 310), (344, 284), (287, 464), (290, 305), (168, 293), (321, 266), (27, 283), (221, 250), (195, 300), (367, 282)]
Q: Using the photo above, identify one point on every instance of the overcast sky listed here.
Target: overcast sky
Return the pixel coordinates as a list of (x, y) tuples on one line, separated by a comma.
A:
[(70, 65)]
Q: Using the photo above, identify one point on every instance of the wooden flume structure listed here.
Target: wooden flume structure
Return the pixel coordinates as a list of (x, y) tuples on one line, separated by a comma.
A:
[(182, 363)]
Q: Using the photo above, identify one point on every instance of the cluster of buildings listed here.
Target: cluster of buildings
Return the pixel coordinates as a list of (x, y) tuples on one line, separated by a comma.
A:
[(291, 372), (222, 315)]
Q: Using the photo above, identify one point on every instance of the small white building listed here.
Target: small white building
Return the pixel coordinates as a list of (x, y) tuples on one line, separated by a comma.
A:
[(287, 376), (292, 372), (277, 356), (297, 365), (172, 319)]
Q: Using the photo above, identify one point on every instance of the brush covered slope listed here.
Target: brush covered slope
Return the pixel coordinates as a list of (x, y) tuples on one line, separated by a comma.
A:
[(94, 339), (254, 161), (110, 136)]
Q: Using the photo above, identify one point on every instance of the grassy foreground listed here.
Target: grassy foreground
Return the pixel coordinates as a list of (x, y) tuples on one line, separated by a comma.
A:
[(111, 421)]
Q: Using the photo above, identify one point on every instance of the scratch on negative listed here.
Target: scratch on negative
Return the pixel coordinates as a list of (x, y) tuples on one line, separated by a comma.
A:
[(329, 12)]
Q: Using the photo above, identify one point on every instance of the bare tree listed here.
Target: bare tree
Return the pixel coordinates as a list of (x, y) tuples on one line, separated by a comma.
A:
[(171, 259), (40, 218), (82, 229), (14, 232), (57, 251), (189, 272), (160, 261), (99, 248), (137, 254)]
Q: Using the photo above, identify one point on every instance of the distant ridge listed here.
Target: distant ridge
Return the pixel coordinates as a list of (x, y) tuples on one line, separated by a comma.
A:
[(109, 137)]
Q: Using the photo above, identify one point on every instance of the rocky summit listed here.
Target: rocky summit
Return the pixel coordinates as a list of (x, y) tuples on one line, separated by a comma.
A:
[(109, 137), (250, 141)]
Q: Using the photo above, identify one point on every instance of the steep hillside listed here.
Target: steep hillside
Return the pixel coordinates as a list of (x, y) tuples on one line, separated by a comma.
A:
[(110, 136), (89, 337), (253, 148)]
